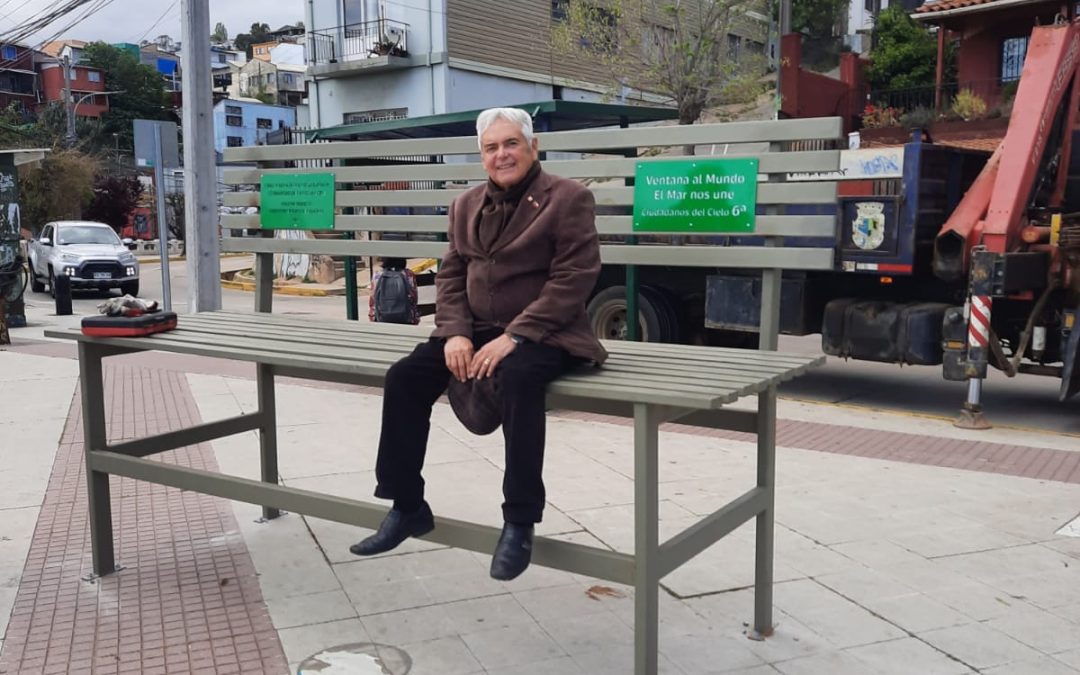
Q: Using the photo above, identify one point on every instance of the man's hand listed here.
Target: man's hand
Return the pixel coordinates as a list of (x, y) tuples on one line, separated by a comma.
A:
[(459, 354), (484, 362)]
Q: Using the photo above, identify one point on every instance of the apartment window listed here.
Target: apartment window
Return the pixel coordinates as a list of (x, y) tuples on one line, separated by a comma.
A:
[(234, 120), (366, 116), (603, 38), (353, 11), (1013, 52), (263, 123), (10, 52), (734, 42), (93, 76), (558, 10), (288, 78), (234, 141), (234, 110)]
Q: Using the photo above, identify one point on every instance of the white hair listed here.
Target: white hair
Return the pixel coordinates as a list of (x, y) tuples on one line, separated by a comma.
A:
[(515, 115)]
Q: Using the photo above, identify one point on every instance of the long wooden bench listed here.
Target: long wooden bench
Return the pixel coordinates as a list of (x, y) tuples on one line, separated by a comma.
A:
[(650, 383)]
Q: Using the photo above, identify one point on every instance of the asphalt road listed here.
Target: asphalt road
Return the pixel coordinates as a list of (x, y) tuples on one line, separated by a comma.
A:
[(1025, 401)]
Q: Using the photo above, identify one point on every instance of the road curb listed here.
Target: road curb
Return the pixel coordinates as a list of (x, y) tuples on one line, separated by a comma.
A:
[(282, 290)]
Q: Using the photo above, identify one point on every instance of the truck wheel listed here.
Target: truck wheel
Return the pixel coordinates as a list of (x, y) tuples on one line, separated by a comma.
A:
[(36, 285), (607, 315), (52, 284), (130, 288), (662, 300)]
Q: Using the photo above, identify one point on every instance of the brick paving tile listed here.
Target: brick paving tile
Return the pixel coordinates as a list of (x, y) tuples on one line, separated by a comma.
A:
[(1000, 458), (185, 560)]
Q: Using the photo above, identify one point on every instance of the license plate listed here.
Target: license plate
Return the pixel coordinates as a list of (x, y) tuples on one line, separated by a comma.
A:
[(102, 275)]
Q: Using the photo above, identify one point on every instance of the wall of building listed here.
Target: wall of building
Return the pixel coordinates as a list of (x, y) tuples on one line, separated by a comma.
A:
[(411, 89), (250, 113), (287, 53), (52, 87)]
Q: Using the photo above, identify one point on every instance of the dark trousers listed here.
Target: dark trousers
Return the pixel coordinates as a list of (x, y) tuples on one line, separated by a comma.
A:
[(412, 386)]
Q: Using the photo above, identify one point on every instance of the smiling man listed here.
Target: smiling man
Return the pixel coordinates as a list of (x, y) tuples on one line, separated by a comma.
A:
[(510, 311)]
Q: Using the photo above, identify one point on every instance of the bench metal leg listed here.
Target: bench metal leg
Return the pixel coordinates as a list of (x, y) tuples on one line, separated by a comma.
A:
[(646, 539), (763, 567), (267, 431), (92, 388)]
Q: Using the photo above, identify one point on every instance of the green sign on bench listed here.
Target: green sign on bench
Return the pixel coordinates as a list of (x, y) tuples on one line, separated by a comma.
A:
[(706, 195), (297, 201)]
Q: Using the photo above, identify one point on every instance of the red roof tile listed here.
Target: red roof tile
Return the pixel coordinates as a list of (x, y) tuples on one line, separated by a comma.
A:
[(942, 5)]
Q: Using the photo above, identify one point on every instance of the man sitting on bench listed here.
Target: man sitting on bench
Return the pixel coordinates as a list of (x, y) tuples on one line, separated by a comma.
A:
[(510, 305)]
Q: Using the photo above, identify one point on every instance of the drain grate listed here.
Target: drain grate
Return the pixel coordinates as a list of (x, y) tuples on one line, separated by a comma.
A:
[(358, 658)]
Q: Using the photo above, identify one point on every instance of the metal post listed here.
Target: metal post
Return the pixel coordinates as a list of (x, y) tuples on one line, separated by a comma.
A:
[(352, 301), (264, 280), (633, 330), (69, 101), (771, 282), (763, 548), (264, 379), (201, 245), (92, 389), (646, 539), (163, 225)]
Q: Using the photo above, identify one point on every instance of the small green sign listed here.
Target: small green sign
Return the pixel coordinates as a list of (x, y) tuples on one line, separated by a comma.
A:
[(704, 195), (297, 201)]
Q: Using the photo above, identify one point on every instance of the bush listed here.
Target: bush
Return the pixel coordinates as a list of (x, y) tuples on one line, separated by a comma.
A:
[(969, 106), (875, 117), (918, 118)]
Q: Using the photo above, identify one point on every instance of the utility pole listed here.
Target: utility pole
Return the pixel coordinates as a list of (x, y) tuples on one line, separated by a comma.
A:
[(201, 245), (783, 29), (69, 101)]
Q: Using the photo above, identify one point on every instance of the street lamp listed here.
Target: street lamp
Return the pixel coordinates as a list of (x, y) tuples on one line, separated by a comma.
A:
[(71, 138)]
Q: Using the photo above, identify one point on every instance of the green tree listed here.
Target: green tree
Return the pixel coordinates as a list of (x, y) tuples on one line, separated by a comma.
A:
[(57, 188), (817, 18), (141, 90), (260, 32), (904, 53), (220, 34), (679, 50)]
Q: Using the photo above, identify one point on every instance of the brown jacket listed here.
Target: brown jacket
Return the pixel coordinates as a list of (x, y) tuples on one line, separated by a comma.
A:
[(535, 279)]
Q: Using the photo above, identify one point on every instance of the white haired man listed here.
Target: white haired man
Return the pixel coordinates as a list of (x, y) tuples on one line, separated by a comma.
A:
[(510, 305)]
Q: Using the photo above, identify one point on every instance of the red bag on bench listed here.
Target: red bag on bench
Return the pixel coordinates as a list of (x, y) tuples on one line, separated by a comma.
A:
[(128, 326)]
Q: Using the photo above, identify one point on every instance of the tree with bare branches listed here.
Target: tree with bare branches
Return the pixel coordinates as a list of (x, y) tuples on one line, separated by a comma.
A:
[(690, 52)]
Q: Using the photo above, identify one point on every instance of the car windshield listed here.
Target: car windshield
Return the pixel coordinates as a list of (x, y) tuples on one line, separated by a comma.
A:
[(74, 234)]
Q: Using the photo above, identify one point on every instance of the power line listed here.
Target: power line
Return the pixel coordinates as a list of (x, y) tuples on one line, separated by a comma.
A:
[(154, 25)]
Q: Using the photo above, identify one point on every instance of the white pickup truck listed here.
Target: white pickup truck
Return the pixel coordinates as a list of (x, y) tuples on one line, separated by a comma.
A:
[(90, 254)]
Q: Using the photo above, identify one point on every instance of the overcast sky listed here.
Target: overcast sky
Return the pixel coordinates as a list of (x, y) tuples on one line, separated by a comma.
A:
[(132, 20)]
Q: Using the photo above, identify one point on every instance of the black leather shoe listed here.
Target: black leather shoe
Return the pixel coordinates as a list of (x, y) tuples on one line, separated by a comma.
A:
[(513, 552), (396, 528)]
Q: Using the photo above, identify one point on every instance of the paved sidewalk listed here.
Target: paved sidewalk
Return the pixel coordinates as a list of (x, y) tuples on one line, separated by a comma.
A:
[(903, 545)]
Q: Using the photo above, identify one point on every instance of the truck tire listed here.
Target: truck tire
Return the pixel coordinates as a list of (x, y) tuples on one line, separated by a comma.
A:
[(52, 284), (130, 288), (607, 315), (36, 284), (664, 303)]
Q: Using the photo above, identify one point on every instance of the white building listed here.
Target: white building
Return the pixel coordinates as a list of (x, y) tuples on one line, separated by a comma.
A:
[(370, 60)]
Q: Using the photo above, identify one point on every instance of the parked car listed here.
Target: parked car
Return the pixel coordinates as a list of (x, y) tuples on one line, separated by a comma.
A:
[(90, 254)]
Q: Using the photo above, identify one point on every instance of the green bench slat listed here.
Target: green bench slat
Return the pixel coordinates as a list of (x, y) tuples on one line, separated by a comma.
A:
[(790, 226), (826, 128), (774, 162)]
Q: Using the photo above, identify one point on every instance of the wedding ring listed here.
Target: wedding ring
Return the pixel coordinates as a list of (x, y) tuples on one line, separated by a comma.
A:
[(487, 361)]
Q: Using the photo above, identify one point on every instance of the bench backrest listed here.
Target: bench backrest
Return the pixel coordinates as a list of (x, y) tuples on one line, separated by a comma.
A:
[(386, 182)]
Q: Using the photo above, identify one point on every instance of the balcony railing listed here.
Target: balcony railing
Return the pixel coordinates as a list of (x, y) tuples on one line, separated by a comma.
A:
[(995, 93), (359, 41)]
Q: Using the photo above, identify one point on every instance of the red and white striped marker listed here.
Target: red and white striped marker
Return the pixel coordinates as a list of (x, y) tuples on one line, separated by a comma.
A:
[(979, 322)]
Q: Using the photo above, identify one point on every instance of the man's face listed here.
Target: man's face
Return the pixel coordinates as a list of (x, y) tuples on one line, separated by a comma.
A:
[(505, 154)]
